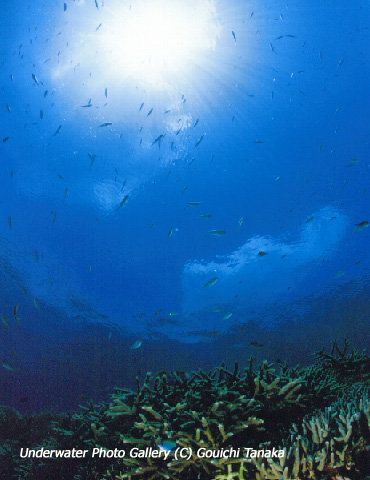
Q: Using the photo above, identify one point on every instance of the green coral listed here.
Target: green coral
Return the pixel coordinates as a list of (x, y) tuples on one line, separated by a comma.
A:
[(318, 415), (327, 445)]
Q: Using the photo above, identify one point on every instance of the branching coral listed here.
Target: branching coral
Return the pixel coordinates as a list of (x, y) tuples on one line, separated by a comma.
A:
[(318, 417)]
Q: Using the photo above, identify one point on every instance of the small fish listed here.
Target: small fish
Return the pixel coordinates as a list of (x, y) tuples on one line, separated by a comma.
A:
[(210, 282), (208, 215), (262, 254), (193, 204), (309, 219), (213, 333), (199, 141), (339, 274), (173, 313), (124, 200), (96, 5), (106, 91), (141, 106), (57, 130), (36, 303), (8, 108), (184, 189), (258, 141), (241, 328), (23, 400), (216, 309), (36, 255), (106, 124), (97, 28), (240, 223), (4, 320), (227, 316), (92, 159), (167, 446), (89, 104), (35, 79), (256, 344), (233, 34), (272, 47), (45, 93), (158, 140), (65, 7), (15, 313), (217, 232), (41, 114), (196, 122), (277, 179), (150, 112), (7, 366), (169, 234), (10, 221), (65, 194), (361, 225), (136, 345), (5, 139)]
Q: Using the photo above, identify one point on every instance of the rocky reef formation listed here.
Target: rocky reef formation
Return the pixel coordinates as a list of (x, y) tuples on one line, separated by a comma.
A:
[(318, 417)]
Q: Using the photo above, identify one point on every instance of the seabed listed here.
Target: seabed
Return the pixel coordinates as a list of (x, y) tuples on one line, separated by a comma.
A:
[(264, 422)]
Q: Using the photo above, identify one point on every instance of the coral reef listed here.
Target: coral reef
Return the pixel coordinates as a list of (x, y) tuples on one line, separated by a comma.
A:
[(318, 417), (332, 444), (17, 431)]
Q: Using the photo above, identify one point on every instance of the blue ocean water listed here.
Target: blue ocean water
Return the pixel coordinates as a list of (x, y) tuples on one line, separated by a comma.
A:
[(157, 218)]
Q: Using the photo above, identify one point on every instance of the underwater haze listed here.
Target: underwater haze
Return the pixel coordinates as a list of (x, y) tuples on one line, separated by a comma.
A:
[(183, 183)]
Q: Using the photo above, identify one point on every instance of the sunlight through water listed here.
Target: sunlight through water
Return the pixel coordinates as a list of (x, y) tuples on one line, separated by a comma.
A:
[(153, 44), (156, 42)]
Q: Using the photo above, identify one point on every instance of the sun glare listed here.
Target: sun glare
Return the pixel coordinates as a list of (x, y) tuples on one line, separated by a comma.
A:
[(155, 41)]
